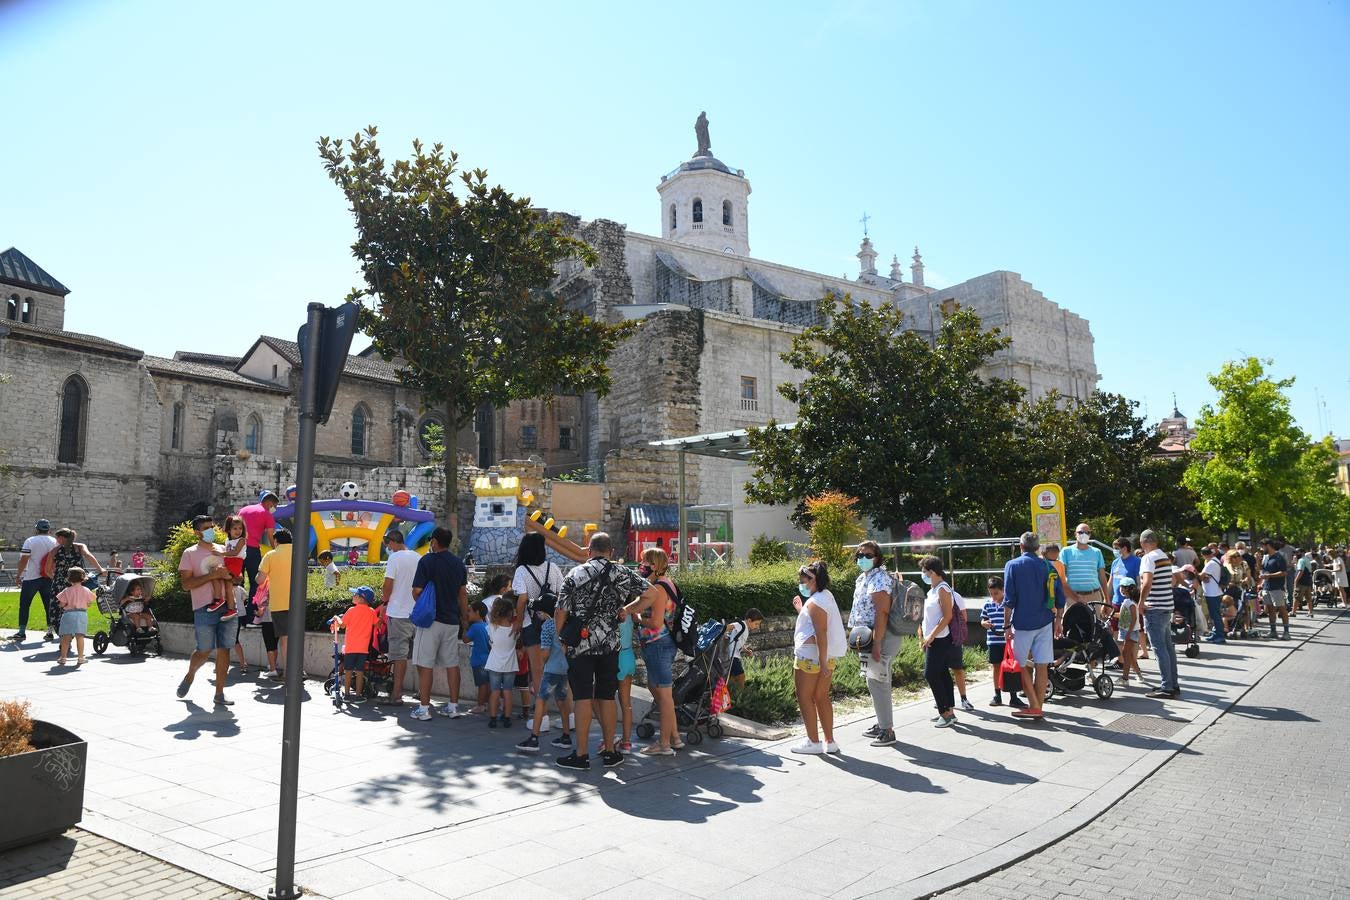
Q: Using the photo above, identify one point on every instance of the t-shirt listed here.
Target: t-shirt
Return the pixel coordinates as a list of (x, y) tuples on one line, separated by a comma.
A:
[(138, 560), (75, 597), (1081, 565), (330, 577), (1274, 564), (402, 568), (738, 635), (1124, 567), (593, 592), (556, 664), (864, 610), (1029, 584), (1214, 570), (446, 572), (1307, 565), (529, 580), (191, 563), (276, 565), (1129, 620), (1288, 553), (1158, 563), (477, 634), (1184, 556), (502, 657), (994, 612), (257, 519), (359, 623), (37, 547)]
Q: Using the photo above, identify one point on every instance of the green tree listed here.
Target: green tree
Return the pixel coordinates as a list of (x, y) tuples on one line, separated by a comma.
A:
[(910, 428), (1318, 510), (1248, 449), (834, 523), (456, 275)]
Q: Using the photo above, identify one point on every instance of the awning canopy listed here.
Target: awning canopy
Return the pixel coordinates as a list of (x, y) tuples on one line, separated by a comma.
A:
[(733, 446), (653, 517)]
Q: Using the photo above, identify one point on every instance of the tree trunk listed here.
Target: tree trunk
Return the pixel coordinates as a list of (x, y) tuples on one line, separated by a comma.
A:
[(450, 517)]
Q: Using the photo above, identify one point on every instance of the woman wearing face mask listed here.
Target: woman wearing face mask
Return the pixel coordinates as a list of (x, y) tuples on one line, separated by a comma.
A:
[(658, 647), (872, 608), (818, 642), (937, 640)]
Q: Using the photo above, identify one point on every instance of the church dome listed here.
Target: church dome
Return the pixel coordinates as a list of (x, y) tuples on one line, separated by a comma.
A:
[(705, 163)]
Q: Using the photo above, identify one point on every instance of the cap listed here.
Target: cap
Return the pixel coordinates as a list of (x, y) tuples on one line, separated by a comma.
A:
[(368, 594), (1188, 568), (267, 495), (43, 525), (1185, 540), (1207, 550), (1127, 581)]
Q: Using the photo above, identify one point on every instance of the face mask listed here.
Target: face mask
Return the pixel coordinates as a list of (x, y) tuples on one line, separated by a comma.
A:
[(1116, 551), (1083, 538), (926, 579), (803, 590), (209, 535), (866, 563), (645, 571)]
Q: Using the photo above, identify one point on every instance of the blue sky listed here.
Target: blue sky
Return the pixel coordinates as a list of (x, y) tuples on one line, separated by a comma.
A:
[(1174, 172)]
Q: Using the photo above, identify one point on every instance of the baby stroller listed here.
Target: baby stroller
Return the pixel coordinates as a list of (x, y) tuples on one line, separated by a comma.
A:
[(697, 687), (1083, 652), (1183, 621), (121, 632), (1324, 588), (1246, 612), (379, 670)]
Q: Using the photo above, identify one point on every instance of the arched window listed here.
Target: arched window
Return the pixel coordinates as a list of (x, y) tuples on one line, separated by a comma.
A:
[(698, 211), (726, 212), (13, 310), (29, 310), (360, 428), (176, 433), (253, 434), (74, 413), (674, 221)]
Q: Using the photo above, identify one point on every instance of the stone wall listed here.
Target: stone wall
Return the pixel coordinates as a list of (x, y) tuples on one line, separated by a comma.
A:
[(656, 380), (48, 310)]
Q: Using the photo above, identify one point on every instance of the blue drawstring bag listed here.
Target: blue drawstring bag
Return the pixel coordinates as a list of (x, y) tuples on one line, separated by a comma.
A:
[(424, 610)]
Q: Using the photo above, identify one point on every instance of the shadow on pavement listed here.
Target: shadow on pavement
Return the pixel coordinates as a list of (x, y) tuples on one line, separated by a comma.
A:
[(1271, 714), (981, 771), (893, 778), (36, 861), (200, 721)]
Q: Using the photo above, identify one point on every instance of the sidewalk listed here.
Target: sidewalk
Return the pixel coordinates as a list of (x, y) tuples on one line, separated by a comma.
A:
[(394, 807)]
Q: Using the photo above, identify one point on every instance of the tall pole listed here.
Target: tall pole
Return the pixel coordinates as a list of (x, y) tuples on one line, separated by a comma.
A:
[(285, 888), (683, 519)]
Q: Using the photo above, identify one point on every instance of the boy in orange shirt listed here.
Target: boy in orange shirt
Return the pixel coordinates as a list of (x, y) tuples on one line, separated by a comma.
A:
[(359, 622)]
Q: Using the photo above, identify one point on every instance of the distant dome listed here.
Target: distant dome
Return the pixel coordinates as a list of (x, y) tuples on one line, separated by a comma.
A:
[(704, 163)]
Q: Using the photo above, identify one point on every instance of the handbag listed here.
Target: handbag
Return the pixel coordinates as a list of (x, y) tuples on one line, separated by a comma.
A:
[(1009, 666), (424, 610)]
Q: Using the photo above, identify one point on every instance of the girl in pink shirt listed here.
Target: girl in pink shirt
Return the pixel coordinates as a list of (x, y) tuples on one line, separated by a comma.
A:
[(74, 602)]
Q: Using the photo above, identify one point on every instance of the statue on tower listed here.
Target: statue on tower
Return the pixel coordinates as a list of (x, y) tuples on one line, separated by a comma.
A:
[(701, 132)]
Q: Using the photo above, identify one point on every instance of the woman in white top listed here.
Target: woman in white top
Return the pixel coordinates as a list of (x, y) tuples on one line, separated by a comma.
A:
[(937, 639), (533, 577), (818, 622)]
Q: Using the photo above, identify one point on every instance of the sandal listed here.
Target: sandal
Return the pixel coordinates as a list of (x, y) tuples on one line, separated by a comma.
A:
[(656, 750)]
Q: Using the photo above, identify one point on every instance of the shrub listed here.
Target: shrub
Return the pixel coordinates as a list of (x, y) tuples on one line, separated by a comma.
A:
[(16, 727), (834, 523), (726, 593), (765, 550)]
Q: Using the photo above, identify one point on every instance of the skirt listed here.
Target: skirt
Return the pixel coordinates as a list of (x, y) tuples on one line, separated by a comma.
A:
[(74, 621)]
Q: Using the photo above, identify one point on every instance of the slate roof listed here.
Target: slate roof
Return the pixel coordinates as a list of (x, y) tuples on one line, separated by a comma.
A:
[(205, 372), (369, 367), (73, 339), (16, 268), (210, 359)]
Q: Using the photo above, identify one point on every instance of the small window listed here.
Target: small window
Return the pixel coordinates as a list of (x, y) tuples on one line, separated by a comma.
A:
[(253, 436), (29, 311), (726, 212), (529, 437), (698, 212), (565, 437), (749, 394), (74, 413), (275, 375), (176, 432), (360, 427), (674, 221), (13, 310)]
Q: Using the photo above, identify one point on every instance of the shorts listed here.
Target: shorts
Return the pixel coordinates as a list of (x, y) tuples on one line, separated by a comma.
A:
[(1036, 645), (996, 654), (956, 658), (280, 620), (1127, 636), (212, 634), (401, 634), (594, 677), (436, 647), (529, 635), (659, 655), (480, 676), (1277, 599), (1303, 594), (235, 566), (811, 667), (501, 681), (74, 621), (354, 662), (553, 687), (627, 664)]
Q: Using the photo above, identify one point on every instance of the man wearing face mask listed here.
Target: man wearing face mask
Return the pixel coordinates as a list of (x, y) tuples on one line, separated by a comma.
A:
[(213, 634), (1085, 568)]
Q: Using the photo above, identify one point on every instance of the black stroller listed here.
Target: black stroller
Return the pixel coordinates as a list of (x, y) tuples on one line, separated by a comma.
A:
[(1183, 621), (121, 632), (1083, 652), (696, 687)]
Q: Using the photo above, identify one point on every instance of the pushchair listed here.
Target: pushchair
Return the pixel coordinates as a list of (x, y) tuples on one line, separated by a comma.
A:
[(121, 633), (1245, 615), (697, 688), (1324, 588), (1183, 621), (379, 670), (1083, 652)]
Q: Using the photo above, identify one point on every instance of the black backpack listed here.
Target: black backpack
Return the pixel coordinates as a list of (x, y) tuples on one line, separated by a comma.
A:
[(682, 629), (545, 602)]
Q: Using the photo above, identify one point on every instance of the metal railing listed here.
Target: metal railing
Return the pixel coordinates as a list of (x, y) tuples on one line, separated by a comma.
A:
[(947, 548)]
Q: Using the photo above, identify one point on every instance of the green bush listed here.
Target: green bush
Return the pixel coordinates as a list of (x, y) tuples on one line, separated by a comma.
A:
[(726, 593), (765, 550)]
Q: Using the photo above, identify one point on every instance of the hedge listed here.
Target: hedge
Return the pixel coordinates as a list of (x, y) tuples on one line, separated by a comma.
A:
[(726, 593)]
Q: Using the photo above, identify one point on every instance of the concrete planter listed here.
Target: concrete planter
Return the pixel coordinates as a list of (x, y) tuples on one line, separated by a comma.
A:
[(44, 788)]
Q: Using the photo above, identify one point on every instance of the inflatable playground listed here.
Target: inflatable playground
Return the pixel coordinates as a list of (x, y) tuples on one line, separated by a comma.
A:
[(503, 513)]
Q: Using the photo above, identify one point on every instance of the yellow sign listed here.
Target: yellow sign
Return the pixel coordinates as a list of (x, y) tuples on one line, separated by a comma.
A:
[(1047, 513)]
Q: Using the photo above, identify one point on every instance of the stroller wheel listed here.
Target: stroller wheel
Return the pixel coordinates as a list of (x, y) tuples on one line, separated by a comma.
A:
[(100, 643), (1050, 689), (645, 730), (1192, 651), (693, 737), (1104, 686), (329, 685), (715, 730)]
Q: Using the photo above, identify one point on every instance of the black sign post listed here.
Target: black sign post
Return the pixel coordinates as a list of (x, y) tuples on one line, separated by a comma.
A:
[(324, 340)]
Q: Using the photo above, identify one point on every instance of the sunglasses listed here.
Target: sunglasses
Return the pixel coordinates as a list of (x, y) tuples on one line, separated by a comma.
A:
[(865, 556), (1084, 533)]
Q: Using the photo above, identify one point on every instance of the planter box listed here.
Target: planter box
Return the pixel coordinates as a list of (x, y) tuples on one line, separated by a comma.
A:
[(44, 788)]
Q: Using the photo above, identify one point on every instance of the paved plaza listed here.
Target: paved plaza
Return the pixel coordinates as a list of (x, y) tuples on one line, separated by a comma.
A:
[(394, 807)]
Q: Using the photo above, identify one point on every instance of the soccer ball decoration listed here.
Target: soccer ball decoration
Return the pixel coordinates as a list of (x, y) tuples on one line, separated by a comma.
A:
[(349, 491), (402, 498), (291, 493)]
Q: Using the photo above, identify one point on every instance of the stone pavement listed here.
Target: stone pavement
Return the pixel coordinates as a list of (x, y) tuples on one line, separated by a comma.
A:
[(394, 807), (1254, 807), (79, 864)]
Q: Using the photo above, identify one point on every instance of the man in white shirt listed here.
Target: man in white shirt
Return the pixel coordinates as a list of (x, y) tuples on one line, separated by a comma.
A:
[(36, 549), (400, 568), (1211, 582)]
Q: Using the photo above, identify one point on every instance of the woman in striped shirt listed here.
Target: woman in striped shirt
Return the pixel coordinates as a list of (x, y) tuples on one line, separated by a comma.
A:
[(1156, 579)]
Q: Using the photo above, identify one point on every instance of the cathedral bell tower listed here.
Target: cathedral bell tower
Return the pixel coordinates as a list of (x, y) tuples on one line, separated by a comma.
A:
[(706, 203)]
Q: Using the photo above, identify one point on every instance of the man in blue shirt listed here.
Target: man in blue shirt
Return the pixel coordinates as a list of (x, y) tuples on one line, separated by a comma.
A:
[(437, 645), (1084, 567), (1032, 590), (1125, 566)]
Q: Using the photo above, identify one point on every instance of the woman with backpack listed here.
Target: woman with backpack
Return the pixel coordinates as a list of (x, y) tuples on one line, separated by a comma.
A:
[(873, 607), (938, 621), (656, 618), (537, 583)]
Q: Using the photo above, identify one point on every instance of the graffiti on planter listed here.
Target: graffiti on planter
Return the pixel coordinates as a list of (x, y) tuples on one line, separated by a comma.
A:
[(61, 766)]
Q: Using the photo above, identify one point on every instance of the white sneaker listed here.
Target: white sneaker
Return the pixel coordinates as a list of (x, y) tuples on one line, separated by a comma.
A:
[(543, 725), (421, 713), (966, 705), (832, 747), (809, 747), (449, 710)]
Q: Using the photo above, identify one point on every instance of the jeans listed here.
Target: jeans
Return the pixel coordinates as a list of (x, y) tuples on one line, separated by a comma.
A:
[(1158, 624), (1215, 607), (252, 559), (43, 588), (883, 704), (938, 675)]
